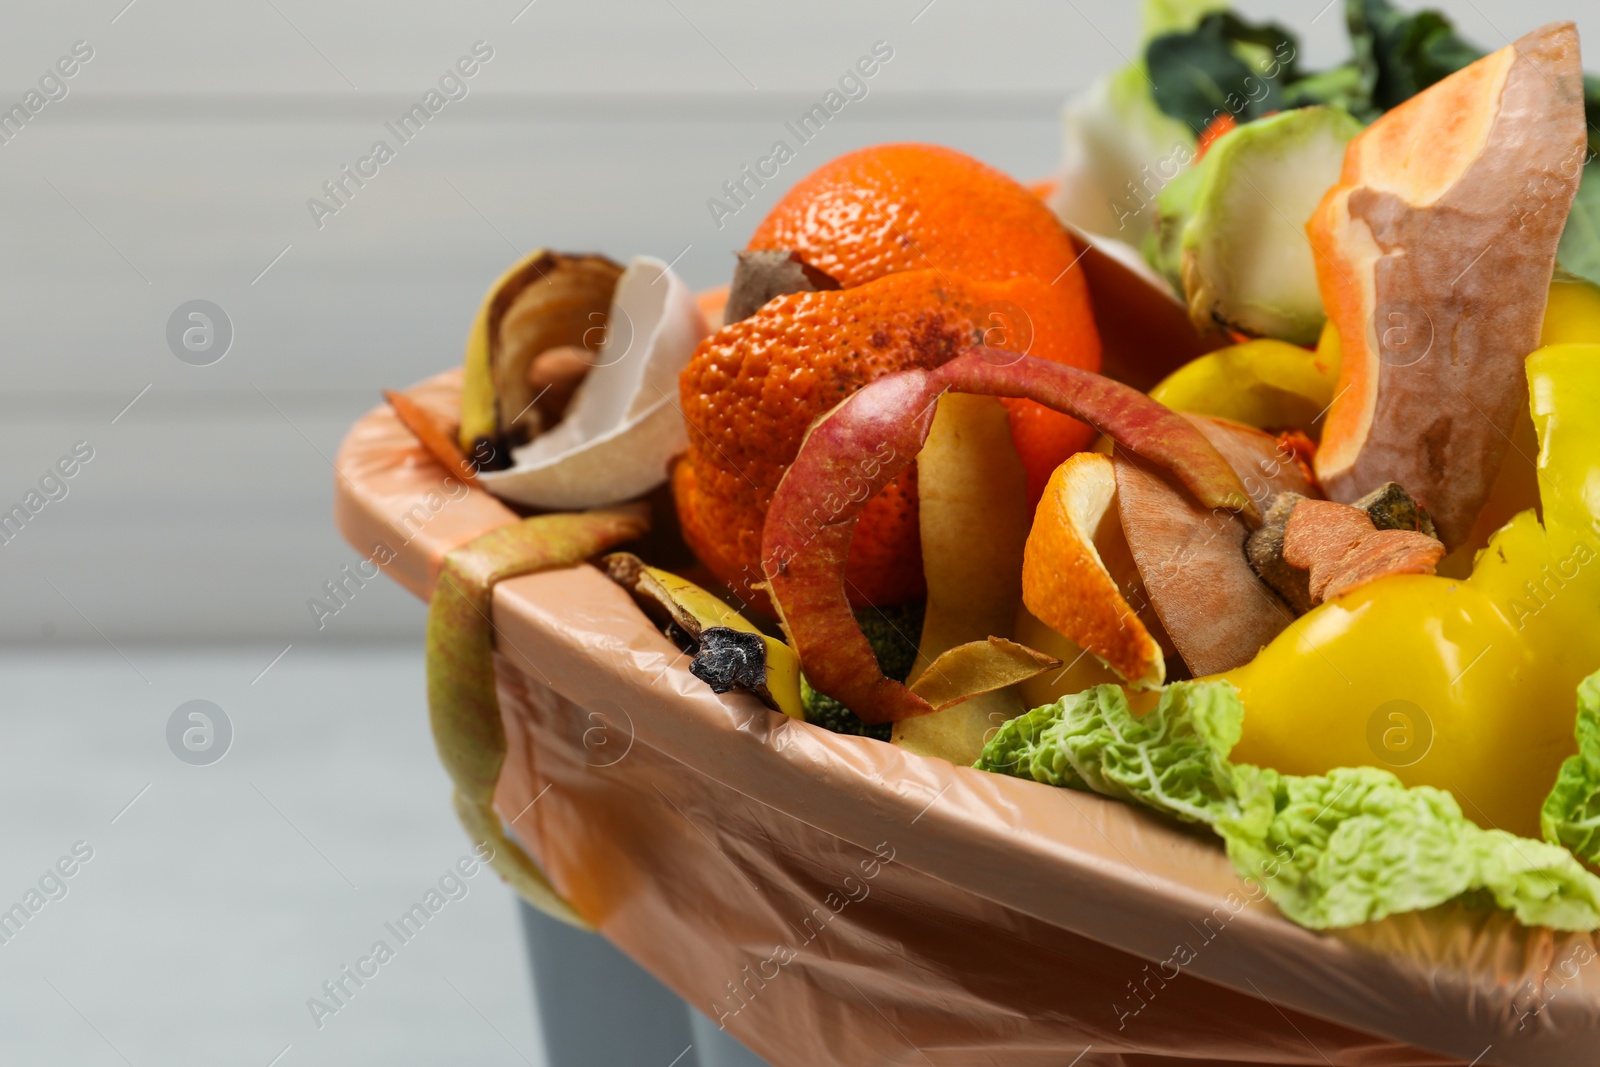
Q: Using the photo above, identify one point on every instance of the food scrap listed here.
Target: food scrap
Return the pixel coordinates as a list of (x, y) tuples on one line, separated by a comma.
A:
[(729, 659), (1345, 550), (435, 439), (1436, 274), (686, 612), (1341, 549), (767, 273), (615, 439)]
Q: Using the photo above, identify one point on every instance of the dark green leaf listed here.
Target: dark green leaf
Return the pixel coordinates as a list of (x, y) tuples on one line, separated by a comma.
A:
[(1224, 66), (1580, 241), (1400, 54)]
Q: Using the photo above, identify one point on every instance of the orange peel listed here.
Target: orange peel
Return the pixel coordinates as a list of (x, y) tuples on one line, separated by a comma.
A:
[(1065, 582)]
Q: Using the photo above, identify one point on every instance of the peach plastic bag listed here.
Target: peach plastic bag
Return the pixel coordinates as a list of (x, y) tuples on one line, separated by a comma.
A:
[(833, 900)]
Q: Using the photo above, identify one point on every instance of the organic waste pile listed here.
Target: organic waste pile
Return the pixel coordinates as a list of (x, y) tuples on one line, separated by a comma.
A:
[(1323, 588)]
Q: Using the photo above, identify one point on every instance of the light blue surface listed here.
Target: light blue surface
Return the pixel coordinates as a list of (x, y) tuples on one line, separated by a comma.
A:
[(220, 898)]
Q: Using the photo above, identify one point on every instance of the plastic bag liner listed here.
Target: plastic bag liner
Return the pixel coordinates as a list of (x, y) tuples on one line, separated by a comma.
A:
[(834, 900)]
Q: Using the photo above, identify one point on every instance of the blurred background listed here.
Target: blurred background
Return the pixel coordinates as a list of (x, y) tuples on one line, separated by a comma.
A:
[(176, 165)]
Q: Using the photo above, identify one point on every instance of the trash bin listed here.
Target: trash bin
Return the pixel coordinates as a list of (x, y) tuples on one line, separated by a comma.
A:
[(892, 903)]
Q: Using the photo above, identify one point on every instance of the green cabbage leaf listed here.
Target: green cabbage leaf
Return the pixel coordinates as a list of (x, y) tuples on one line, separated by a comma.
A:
[(1335, 850), (1571, 813)]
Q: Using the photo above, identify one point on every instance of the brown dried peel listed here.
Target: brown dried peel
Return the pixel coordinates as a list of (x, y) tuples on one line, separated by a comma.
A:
[(979, 667), (764, 275), (623, 425), (548, 300), (1192, 559)]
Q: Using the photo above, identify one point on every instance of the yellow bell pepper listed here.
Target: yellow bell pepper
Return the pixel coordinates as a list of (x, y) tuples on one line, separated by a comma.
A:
[(1264, 383), (1468, 685), (1572, 315)]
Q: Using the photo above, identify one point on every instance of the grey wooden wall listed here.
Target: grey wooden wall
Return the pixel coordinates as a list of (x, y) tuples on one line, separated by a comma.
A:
[(179, 163)]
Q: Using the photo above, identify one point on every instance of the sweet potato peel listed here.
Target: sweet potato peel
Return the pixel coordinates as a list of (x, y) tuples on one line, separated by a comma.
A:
[(1318, 535), (1384, 553), (1434, 263), (858, 447), (1342, 549)]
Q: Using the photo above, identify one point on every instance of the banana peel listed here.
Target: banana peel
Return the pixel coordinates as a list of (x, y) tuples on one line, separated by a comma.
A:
[(547, 300), (668, 597), (622, 427), (462, 706)]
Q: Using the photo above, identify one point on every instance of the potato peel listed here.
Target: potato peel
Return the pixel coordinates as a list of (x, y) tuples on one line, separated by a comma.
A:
[(1214, 607)]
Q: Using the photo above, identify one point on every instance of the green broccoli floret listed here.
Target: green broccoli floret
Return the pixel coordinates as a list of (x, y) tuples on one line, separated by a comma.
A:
[(893, 634), (828, 713)]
